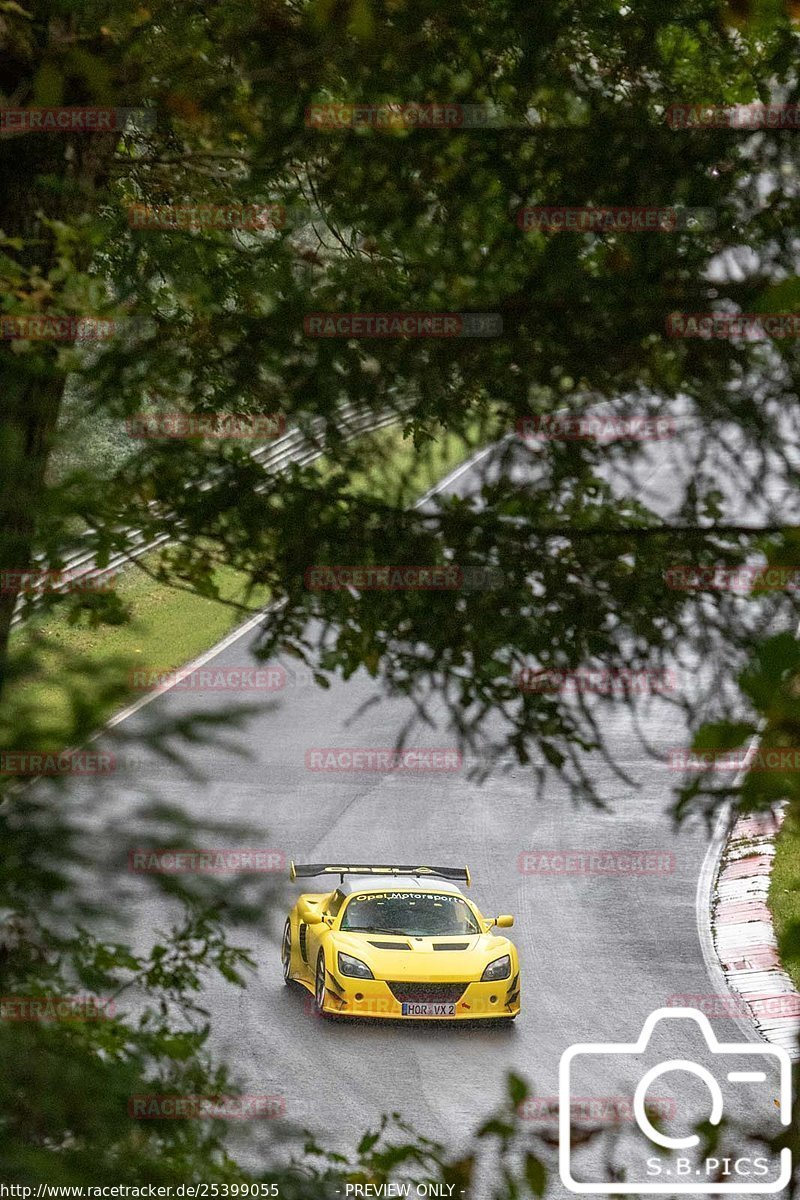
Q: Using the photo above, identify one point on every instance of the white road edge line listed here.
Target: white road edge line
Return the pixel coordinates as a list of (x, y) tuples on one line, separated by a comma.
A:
[(458, 471), (244, 629), (255, 620), (181, 672)]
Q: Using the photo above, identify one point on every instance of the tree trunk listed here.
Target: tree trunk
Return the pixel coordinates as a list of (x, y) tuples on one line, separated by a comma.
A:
[(41, 174)]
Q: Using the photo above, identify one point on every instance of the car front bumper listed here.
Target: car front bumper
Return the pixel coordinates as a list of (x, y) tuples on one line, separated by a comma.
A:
[(349, 997)]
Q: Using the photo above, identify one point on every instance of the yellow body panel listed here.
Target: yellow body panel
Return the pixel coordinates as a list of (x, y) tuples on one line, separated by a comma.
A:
[(413, 968)]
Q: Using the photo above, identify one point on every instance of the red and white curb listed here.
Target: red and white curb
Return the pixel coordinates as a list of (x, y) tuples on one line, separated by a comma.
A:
[(743, 935)]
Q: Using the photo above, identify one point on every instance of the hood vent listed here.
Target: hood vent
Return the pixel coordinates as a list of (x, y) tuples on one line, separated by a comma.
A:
[(405, 945)]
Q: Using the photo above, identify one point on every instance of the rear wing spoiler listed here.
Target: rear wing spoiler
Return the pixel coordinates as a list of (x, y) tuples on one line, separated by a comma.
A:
[(309, 870)]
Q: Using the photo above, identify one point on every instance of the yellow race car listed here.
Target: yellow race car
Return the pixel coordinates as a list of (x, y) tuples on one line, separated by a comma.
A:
[(399, 943)]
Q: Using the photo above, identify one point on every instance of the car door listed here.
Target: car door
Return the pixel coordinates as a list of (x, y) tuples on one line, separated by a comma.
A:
[(316, 936)]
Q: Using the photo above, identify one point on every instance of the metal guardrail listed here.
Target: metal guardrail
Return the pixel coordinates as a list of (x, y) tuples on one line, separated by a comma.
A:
[(294, 448)]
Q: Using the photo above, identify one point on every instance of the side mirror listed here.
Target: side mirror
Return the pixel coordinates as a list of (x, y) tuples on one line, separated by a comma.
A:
[(504, 922), (307, 914)]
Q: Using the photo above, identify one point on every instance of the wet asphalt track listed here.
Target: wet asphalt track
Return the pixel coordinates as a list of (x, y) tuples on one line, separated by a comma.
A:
[(598, 954)]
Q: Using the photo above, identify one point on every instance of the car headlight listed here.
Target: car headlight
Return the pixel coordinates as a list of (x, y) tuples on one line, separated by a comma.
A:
[(354, 966), (499, 969)]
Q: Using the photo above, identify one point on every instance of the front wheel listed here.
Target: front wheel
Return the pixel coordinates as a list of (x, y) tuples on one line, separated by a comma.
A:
[(319, 986), (286, 952)]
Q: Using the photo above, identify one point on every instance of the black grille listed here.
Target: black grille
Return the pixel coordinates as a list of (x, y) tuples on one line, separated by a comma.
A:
[(303, 942), (426, 993), (452, 946), (391, 945)]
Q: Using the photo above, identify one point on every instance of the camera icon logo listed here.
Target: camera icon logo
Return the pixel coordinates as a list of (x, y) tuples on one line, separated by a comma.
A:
[(667, 1174)]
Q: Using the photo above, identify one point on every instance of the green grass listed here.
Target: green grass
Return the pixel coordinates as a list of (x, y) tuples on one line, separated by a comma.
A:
[(784, 895), (91, 666), (169, 626), (396, 470)]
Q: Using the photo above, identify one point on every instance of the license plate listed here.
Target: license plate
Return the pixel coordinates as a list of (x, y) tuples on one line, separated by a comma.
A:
[(429, 1010)]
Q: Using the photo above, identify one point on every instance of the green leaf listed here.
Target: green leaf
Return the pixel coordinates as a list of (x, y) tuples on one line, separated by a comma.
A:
[(94, 71), (553, 756), (322, 12), (722, 735), (779, 297), (778, 654), (367, 1142), (48, 85), (517, 1089), (501, 1129), (535, 1174), (362, 23)]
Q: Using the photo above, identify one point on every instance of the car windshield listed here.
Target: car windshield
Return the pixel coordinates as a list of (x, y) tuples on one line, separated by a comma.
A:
[(417, 914)]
